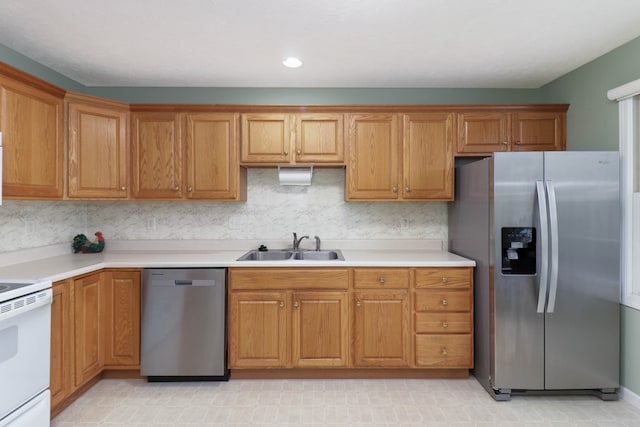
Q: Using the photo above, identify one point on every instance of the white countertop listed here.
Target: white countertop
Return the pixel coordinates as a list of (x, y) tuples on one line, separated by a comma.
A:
[(144, 254)]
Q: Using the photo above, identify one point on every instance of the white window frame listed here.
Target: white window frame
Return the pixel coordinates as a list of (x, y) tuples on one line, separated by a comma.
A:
[(628, 97)]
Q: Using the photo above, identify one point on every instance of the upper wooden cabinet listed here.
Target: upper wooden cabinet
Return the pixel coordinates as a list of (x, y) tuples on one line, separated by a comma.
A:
[(98, 148), (31, 122), (280, 138), (156, 149), (186, 155), (374, 151), (212, 170), (486, 131), (427, 165), (420, 168)]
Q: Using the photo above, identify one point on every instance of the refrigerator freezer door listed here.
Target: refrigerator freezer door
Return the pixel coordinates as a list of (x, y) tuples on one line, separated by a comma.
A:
[(518, 362), (581, 334)]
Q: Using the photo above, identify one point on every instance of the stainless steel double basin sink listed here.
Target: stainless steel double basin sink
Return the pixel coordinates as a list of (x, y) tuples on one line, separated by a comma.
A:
[(289, 255)]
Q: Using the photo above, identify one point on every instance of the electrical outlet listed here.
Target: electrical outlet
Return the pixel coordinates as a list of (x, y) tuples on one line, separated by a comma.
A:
[(28, 228), (151, 223)]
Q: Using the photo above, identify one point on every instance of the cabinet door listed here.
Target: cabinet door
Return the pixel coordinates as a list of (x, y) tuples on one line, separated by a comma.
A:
[(483, 132), (97, 151), (156, 155), (88, 306), (266, 138), (381, 328), (320, 329), (62, 367), (319, 138), (258, 330), (428, 156), (538, 131), (122, 318), (372, 172), (31, 122), (212, 163)]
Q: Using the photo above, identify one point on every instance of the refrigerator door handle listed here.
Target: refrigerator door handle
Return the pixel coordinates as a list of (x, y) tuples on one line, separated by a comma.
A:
[(553, 231), (544, 245)]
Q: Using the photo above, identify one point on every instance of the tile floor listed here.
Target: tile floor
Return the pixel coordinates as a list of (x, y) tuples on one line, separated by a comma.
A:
[(402, 402)]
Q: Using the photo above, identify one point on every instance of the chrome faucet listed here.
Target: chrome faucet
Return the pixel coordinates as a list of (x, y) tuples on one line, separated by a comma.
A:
[(296, 241), (317, 242)]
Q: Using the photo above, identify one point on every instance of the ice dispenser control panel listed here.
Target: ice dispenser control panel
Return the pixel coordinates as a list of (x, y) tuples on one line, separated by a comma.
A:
[(519, 250)]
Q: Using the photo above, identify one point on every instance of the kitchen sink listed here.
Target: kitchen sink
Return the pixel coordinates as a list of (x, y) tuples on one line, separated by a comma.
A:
[(319, 255), (266, 256), (285, 255)]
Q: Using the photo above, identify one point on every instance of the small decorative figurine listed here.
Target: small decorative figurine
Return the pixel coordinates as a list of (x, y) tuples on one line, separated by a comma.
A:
[(81, 243)]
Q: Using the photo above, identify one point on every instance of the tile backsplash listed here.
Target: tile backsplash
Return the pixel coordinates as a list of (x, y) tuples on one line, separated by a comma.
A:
[(270, 212)]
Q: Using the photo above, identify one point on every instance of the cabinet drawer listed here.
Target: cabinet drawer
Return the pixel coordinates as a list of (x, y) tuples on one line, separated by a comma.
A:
[(443, 323), (443, 301), (446, 278), (444, 351), (288, 278), (381, 278)]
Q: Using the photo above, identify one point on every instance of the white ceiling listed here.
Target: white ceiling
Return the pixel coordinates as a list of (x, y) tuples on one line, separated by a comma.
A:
[(343, 43)]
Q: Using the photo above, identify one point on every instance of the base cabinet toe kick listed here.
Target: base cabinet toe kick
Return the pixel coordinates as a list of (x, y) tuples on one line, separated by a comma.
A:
[(350, 322)]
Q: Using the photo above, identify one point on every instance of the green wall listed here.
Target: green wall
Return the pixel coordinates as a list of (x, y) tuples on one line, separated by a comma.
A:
[(592, 119)]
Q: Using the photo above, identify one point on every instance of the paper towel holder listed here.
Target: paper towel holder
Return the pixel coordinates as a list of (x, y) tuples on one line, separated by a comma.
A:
[(295, 175)]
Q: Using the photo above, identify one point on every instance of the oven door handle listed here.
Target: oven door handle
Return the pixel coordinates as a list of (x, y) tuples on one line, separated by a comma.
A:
[(43, 299)]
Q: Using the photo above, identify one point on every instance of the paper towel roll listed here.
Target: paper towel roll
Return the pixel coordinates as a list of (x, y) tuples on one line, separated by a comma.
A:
[(295, 175)]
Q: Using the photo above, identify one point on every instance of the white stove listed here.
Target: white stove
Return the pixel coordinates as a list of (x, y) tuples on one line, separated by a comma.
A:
[(25, 349)]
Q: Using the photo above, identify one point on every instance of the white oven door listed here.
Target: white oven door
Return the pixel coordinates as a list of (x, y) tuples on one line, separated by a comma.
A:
[(25, 336)]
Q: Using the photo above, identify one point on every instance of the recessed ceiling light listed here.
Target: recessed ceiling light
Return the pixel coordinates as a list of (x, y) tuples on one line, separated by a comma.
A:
[(292, 62)]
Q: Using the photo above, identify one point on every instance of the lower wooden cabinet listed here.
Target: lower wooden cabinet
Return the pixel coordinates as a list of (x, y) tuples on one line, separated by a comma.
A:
[(443, 318), (122, 319), (381, 328), (62, 343), (95, 325), (375, 318), (273, 326), (89, 303)]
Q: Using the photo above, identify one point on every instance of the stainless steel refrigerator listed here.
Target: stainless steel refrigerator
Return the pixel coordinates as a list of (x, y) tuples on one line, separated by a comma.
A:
[(544, 230)]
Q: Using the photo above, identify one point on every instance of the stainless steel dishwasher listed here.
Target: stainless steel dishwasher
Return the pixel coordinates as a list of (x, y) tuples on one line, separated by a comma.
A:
[(184, 324)]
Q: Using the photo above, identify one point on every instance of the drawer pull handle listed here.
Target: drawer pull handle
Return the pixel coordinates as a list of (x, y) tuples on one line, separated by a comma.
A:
[(381, 279), (445, 280), (281, 304), (445, 302), (445, 324), (358, 303), (296, 304), (445, 352)]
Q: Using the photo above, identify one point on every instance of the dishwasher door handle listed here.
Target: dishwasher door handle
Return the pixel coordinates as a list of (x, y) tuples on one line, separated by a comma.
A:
[(194, 282)]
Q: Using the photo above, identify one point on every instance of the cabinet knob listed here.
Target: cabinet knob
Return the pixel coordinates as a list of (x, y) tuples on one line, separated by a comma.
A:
[(123, 188), (298, 151), (445, 280), (445, 302), (394, 189), (407, 189), (296, 304), (444, 351), (505, 142), (286, 153), (281, 304), (381, 280), (358, 303), (445, 324), (177, 188), (189, 189), (518, 143)]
